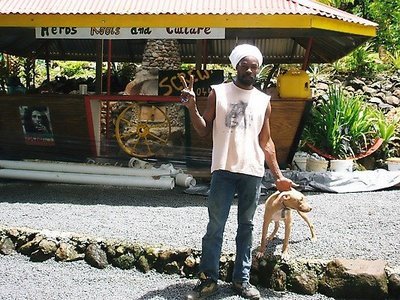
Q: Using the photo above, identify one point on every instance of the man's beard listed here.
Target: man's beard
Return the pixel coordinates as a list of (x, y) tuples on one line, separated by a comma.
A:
[(246, 79)]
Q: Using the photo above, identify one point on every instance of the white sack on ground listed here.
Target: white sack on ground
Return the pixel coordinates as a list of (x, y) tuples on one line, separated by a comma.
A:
[(340, 182)]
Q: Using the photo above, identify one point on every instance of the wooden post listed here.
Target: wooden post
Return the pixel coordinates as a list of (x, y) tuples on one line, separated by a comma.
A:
[(199, 54), (308, 54), (99, 63)]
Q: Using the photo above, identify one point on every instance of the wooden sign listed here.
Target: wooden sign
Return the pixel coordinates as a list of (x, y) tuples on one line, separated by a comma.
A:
[(170, 85), (129, 33)]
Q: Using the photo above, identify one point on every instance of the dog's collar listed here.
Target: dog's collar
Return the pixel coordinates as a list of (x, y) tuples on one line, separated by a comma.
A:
[(283, 204), (284, 210)]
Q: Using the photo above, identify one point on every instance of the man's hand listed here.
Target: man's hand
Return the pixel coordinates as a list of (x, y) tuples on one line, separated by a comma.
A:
[(260, 252), (284, 184), (188, 97)]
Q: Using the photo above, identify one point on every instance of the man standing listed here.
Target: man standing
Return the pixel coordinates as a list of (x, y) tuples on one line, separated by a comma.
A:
[(238, 116)]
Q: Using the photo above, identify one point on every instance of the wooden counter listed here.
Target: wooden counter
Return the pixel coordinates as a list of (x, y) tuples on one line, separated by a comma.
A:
[(67, 135), (75, 129)]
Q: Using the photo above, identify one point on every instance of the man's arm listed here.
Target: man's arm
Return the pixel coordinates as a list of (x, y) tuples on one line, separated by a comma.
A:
[(282, 183), (201, 123)]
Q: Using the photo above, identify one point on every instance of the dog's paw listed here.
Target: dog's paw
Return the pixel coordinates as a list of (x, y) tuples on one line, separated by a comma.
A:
[(259, 254), (314, 239), (285, 255)]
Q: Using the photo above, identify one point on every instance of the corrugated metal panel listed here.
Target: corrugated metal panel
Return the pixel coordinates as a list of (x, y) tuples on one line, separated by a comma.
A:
[(326, 48), (179, 7)]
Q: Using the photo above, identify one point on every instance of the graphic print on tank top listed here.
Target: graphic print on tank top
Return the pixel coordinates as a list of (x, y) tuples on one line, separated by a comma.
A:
[(236, 116)]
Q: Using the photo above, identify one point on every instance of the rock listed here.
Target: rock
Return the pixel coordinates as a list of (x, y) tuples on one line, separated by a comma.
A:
[(376, 85), (46, 249), (182, 253), (13, 233), (30, 246), (67, 252), (95, 256), (190, 266), (393, 100), (226, 267), (136, 250), (7, 246), (39, 256), (387, 86), (165, 256), (385, 106), (355, 279), (151, 255), (190, 262), (394, 285), (357, 83), (375, 100), (305, 282), (350, 89), (368, 90), (125, 261), (143, 264), (112, 251), (278, 279), (264, 269), (172, 268), (322, 86), (380, 95)]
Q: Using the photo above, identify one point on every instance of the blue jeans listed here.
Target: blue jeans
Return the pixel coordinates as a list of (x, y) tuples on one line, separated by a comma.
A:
[(223, 187)]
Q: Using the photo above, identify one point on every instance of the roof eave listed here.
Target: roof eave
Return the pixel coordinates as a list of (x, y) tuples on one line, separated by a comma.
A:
[(195, 20)]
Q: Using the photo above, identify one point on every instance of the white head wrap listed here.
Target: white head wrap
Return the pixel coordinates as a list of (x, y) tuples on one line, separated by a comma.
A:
[(244, 50)]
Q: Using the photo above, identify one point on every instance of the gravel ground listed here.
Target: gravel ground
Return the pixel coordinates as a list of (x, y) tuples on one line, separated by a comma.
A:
[(23, 280), (359, 225)]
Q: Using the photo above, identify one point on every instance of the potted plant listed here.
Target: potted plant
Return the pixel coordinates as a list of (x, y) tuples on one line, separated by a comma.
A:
[(391, 147), (342, 127)]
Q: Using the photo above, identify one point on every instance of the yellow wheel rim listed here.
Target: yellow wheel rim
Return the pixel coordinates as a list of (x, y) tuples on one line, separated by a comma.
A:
[(142, 134)]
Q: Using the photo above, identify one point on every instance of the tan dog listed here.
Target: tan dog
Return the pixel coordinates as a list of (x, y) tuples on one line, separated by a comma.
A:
[(278, 207)]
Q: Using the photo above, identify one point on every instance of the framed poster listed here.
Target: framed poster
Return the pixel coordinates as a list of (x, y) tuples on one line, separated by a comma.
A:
[(36, 125)]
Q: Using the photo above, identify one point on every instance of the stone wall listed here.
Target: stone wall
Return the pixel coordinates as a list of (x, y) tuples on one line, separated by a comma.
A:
[(338, 278), (162, 55), (383, 91)]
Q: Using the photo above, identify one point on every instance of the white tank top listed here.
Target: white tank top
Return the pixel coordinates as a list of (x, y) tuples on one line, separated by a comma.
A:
[(239, 118)]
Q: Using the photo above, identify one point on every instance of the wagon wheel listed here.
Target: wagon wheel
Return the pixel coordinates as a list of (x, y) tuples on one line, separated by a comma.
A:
[(142, 130)]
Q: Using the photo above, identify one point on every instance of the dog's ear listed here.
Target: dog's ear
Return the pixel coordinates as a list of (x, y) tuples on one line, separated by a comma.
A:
[(283, 196)]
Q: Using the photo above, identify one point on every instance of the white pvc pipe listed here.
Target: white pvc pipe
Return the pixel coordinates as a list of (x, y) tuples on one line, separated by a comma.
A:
[(120, 180), (85, 168), (185, 180)]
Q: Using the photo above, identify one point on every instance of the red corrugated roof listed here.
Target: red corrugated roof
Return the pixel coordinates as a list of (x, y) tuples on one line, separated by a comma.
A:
[(179, 7), (283, 29)]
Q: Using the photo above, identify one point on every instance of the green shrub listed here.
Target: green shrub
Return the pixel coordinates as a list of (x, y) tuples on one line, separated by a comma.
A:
[(341, 125)]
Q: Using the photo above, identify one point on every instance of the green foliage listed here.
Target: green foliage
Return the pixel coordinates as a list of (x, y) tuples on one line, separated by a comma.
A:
[(394, 59), (362, 61), (392, 148), (384, 12), (321, 71), (388, 128), (341, 125), (3, 72), (72, 69), (387, 14), (337, 3)]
